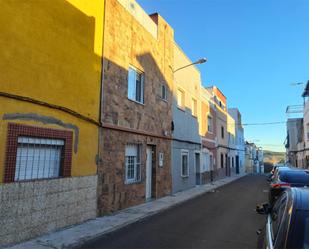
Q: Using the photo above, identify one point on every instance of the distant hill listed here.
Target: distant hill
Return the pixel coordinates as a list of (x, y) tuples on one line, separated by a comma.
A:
[(274, 157)]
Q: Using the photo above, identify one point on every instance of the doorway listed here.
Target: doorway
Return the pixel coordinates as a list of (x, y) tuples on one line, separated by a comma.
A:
[(237, 164), (150, 173), (198, 170)]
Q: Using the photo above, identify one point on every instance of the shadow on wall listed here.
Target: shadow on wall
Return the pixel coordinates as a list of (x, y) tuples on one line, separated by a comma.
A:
[(154, 115), (52, 48), (152, 118)]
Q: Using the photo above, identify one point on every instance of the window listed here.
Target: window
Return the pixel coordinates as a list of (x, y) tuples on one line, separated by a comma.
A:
[(194, 107), (210, 124), (277, 215), (133, 163), (184, 163), (222, 160), (37, 153), (233, 162), (136, 85), (181, 98), (222, 132), (163, 92), (38, 158)]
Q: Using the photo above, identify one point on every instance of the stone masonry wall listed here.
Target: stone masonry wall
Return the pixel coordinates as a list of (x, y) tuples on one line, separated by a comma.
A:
[(29, 209), (128, 44), (113, 193)]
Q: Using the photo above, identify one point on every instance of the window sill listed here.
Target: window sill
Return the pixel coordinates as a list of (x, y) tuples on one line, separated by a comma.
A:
[(181, 108), (132, 182), (185, 177), (140, 103), (164, 100), (39, 179)]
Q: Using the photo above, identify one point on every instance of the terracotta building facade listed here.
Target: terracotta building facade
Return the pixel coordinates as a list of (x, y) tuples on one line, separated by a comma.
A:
[(208, 134), (135, 141), (222, 148)]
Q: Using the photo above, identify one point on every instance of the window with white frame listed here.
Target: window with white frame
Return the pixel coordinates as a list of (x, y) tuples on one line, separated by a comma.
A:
[(181, 98), (210, 123), (184, 163), (133, 163), (136, 85), (194, 107), (38, 158), (163, 92)]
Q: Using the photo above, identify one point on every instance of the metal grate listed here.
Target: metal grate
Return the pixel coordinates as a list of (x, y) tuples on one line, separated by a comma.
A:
[(38, 158), (133, 163)]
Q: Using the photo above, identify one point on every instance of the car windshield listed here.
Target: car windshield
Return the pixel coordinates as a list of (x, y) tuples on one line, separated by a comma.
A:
[(301, 177)]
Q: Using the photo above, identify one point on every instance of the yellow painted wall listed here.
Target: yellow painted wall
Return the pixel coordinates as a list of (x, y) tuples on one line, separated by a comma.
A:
[(231, 125), (51, 51)]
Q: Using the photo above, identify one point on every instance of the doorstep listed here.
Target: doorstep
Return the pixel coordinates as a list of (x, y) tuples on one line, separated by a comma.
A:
[(79, 234)]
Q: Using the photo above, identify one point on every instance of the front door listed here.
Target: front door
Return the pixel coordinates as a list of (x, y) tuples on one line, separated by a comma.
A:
[(198, 168), (149, 173), (237, 164)]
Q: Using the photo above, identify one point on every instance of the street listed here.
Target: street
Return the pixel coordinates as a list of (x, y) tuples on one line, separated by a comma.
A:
[(222, 219)]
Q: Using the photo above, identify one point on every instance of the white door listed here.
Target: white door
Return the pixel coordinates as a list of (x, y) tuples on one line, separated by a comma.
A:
[(148, 173)]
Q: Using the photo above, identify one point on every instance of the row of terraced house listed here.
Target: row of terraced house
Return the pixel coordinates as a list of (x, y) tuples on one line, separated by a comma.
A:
[(96, 117), (297, 140)]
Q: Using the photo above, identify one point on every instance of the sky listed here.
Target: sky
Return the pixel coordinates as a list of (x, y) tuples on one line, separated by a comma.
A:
[(255, 49)]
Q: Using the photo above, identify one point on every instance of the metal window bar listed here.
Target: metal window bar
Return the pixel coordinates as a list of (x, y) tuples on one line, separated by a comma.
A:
[(133, 163), (38, 158)]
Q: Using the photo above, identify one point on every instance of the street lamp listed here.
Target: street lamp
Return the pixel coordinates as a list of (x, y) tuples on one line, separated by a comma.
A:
[(200, 61)]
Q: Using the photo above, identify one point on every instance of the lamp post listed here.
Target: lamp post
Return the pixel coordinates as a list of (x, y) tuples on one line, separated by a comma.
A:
[(200, 61)]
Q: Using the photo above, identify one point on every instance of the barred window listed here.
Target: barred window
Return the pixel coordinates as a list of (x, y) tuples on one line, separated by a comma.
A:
[(38, 158), (37, 153), (133, 163)]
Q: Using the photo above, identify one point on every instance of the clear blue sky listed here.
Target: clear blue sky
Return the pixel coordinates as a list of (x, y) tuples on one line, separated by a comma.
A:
[(255, 50)]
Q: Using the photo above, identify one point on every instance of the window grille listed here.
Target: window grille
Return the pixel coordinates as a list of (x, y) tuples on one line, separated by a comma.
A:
[(38, 158), (133, 163)]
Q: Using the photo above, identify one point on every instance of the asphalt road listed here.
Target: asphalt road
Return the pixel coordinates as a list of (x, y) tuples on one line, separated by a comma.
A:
[(223, 219)]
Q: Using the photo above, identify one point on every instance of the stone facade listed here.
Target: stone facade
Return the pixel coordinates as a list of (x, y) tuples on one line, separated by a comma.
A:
[(29, 209), (114, 193), (128, 43)]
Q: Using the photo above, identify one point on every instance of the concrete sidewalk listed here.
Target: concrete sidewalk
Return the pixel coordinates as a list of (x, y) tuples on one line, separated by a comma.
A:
[(79, 234)]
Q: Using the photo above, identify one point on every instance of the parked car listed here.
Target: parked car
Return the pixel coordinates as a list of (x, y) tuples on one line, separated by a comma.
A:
[(277, 166), (287, 224), (276, 169), (287, 178)]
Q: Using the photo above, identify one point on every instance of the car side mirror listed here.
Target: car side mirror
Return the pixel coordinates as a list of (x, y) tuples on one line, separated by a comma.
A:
[(263, 208)]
